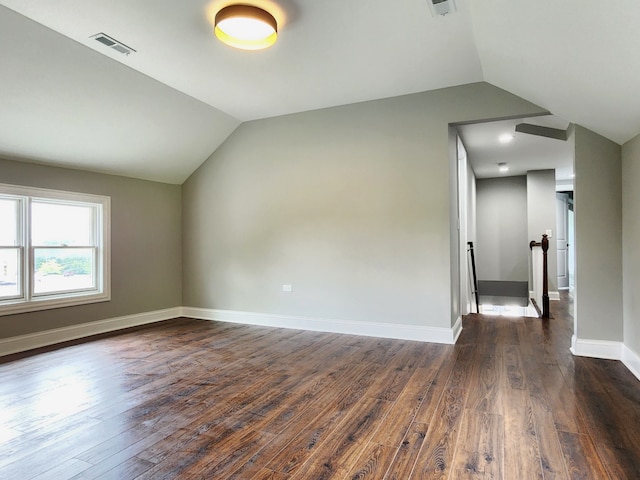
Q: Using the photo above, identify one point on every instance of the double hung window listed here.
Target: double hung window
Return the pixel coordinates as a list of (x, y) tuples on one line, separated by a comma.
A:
[(54, 249)]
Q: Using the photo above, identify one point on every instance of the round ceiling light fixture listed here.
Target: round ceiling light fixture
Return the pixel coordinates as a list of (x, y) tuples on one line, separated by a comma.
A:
[(246, 27)]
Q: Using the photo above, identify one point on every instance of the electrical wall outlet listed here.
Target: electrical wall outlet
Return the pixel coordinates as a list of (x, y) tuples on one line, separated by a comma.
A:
[(287, 288)]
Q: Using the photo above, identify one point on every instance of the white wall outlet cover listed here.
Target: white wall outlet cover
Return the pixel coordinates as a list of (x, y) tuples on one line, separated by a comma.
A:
[(287, 288), (549, 233)]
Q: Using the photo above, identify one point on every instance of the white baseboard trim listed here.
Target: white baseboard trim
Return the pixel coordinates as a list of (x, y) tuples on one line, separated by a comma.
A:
[(596, 348), (30, 341), (457, 329), (607, 350), (631, 360), (46, 338), (552, 295), (370, 329)]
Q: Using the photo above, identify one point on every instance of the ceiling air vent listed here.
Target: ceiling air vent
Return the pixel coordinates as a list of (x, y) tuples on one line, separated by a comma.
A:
[(441, 7), (115, 44)]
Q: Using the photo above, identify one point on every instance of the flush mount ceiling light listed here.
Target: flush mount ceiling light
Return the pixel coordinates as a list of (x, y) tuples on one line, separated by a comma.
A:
[(246, 27), (503, 167)]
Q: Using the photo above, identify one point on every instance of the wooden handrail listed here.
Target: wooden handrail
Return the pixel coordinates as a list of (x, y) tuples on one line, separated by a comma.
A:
[(475, 276)]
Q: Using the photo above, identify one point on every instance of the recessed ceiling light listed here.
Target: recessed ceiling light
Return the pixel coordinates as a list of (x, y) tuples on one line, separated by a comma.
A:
[(246, 27), (505, 138), (503, 167)]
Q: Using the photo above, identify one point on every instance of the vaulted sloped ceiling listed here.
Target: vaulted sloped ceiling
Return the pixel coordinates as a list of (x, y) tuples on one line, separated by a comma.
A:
[(160, 112), (64, 104), (579, 59)]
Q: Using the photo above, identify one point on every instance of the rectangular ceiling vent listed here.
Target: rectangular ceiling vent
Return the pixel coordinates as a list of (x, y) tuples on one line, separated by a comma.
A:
[(441, 7), (113, 43)]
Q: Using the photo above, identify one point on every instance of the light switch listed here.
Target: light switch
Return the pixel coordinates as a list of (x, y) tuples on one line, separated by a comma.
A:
[(287, 288), (548, 232)]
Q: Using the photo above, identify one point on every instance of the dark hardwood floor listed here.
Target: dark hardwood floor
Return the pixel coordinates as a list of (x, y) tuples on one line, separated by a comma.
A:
[(195, 399)]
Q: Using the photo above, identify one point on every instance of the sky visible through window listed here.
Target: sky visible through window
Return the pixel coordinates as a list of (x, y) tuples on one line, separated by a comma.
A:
[(61, 225), (8, 217)]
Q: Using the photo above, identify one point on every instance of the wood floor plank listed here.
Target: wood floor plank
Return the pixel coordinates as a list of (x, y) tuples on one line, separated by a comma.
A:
[(436, 455), (335, 455), (553, 394), (513, 367), (611, 416), (372, 464), (266, 474), (619, 462), (317, 427), (258, 461), (407, 455), (64, 470), (237, 450), (39, 458), (551, 460), (484, 389), (434, 393), (117, 469), (480, 450), (522, 449), (403, 412), (581, 457), (189, 452)]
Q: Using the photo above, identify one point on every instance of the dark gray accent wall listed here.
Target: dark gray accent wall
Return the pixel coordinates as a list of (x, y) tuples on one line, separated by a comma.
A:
[(541, 216), (501, 225), (146, 245)]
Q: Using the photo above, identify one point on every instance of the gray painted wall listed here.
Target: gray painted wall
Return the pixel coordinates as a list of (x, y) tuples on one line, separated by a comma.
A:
[(501, 226), (631, 242), (146, 245), (541, 216), (472, 235), (351, 205), (472, 208), (467, 199), (598, 224)]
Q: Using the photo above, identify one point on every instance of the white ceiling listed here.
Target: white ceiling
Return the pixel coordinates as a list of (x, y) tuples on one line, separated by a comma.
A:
[(523, 153), (158, 113)]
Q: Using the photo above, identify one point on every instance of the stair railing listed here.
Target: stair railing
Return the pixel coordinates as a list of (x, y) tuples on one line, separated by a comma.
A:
[(544, 244), (475, 277)]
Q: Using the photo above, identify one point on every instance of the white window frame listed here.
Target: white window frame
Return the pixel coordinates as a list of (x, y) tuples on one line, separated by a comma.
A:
[(28, 301)]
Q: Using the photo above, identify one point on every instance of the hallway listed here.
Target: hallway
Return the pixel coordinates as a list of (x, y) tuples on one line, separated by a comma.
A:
[(561, 416)]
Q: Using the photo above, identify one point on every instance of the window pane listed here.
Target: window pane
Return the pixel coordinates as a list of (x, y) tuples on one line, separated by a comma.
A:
[(58, 224), (63, 269), (9, 222), (9, 272)]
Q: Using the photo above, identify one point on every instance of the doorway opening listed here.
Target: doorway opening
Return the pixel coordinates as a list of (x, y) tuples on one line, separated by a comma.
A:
[(508, 179)]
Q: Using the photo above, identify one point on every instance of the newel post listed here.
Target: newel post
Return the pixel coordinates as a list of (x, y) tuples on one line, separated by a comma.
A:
[(545, 279)]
